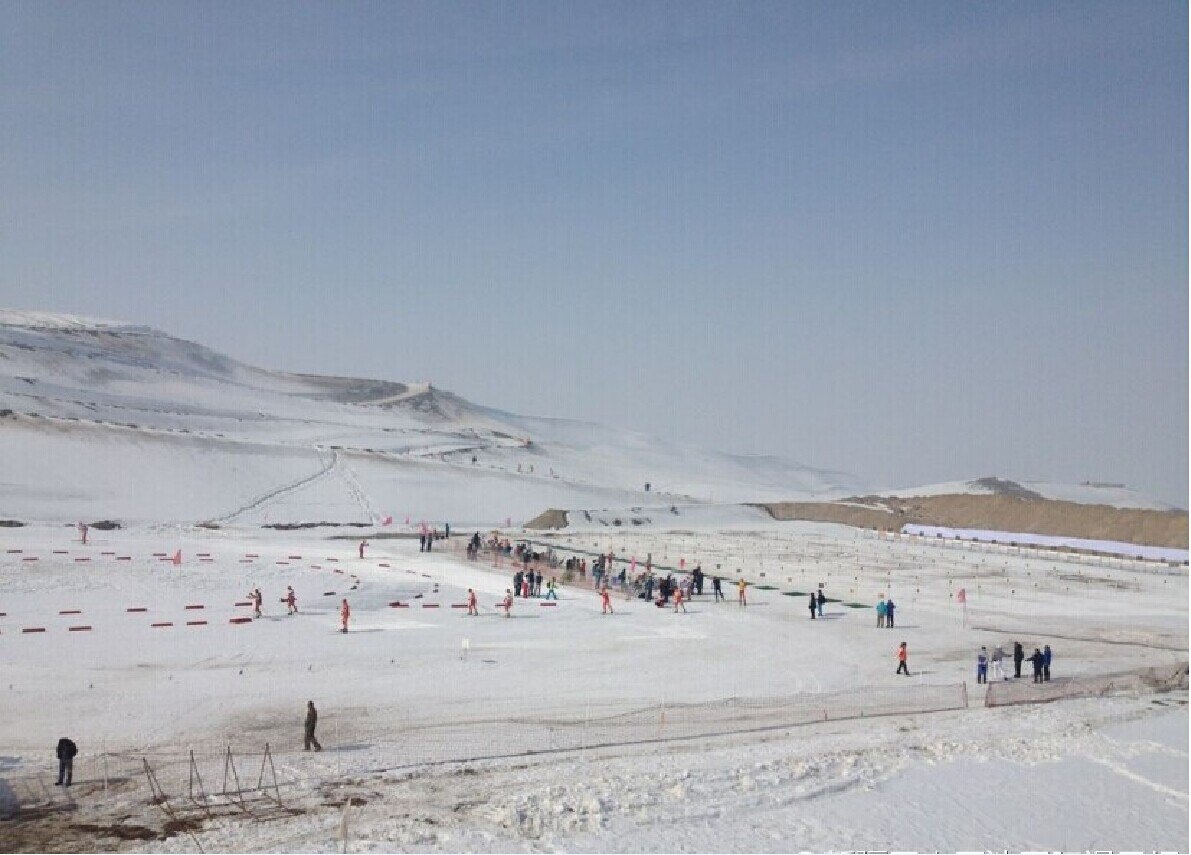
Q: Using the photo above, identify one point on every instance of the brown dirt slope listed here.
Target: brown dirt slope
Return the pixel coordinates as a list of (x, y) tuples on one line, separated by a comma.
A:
[(549, 519), (997, 512)]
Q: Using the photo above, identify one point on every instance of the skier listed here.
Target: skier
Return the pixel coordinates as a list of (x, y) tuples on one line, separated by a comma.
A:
[(813, 605), (740, 586), (1036, 660), (889, 613), (471, 603), (997, 655), (291, 600), (822, 600), (982, 666), (679, 601), (507, 603), (902, 656), (345, 612), (1019, 656), (717, 588), (308, 733), (881, 613), (1046, 664), (605, 601), (66, 751)]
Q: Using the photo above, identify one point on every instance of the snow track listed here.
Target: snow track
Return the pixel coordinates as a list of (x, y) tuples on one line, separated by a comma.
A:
[(284, 490)]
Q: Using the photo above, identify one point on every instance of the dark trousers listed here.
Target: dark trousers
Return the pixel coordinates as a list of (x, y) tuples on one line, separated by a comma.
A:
[(65, 770), (902, 669), (310, 740), (1045, 672), (1017, 667), (981, 673), (1037, 674)]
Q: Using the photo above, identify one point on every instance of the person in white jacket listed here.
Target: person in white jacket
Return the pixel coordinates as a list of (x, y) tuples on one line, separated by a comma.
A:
[(997, 671)]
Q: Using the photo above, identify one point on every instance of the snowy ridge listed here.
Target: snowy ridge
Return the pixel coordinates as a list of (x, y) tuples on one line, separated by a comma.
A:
[(104, 419)]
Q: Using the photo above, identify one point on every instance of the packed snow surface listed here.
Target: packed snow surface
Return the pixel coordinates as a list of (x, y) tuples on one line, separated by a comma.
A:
[(713, 700)]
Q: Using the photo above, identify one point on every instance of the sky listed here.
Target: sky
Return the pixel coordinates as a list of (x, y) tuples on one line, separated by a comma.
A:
[(914, 242)]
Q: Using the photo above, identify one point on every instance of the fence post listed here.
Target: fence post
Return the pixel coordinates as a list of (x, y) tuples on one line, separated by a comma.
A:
[(965, 694)]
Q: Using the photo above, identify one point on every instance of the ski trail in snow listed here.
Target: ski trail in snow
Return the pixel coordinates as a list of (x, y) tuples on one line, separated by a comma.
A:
[(278, 492), (348, 477)]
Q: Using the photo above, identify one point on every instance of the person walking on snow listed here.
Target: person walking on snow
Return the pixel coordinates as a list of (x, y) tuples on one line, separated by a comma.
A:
[(605, 601), (291, 600), (822, 601), (66, 751), (507, 603), (889, 613), (1019, 656), (471, 603), (997, 671), (717, 588), (257, 601), (308, 732), (740, 586), (982, 666), (902, 656), (1046, 664), (813, 605), (881, 613), (363, 543), (345, 612), (679, 601)]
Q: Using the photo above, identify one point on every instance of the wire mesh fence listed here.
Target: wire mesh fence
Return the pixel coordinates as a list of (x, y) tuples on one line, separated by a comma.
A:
[(1163, 678)]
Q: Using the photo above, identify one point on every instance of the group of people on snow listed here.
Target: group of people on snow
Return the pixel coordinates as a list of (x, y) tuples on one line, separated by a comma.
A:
[(1039, 660)]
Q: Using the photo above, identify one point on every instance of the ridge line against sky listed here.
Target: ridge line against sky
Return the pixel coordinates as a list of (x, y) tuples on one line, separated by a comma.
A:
[(917, 244)]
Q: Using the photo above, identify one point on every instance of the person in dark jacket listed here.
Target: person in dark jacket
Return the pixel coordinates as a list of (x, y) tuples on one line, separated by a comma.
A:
[(1036, 660), (717, 588), (311, 723), (821, 600), (812, 604), (1046, 663), (889, 613), (66, 751), (1019, 656)]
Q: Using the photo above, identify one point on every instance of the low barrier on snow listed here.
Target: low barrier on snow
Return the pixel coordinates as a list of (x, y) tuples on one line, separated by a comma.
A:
[(1163, 678)]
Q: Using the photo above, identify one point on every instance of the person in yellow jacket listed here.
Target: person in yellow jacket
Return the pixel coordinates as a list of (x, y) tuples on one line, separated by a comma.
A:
[(740, 586)]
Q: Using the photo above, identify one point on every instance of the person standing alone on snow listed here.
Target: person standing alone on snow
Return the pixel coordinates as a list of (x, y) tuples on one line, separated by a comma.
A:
[(66, 751), (363, 543), (605, 601), (345, 612), (813, 605), (471, 603), (257, 600), (902, 656), (507, 603), (291, 600), (740, 586), (311, 723)]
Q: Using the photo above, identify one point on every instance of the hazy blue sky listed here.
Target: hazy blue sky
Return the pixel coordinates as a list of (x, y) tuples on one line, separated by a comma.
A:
[(917, 242)]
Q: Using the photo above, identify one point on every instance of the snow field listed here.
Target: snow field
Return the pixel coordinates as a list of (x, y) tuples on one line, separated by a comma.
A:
[(398, 690)]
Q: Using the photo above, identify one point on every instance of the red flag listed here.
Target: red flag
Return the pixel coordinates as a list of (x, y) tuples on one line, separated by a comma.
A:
[(962, 596), (177, 559), (681, 563), (387, 520)]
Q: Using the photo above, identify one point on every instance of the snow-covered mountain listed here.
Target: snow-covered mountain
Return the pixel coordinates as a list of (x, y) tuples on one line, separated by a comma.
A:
[(104, 419)]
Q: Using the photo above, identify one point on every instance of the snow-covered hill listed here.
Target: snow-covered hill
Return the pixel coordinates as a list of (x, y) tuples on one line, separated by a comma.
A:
[(1087, 493), (104, 419)]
